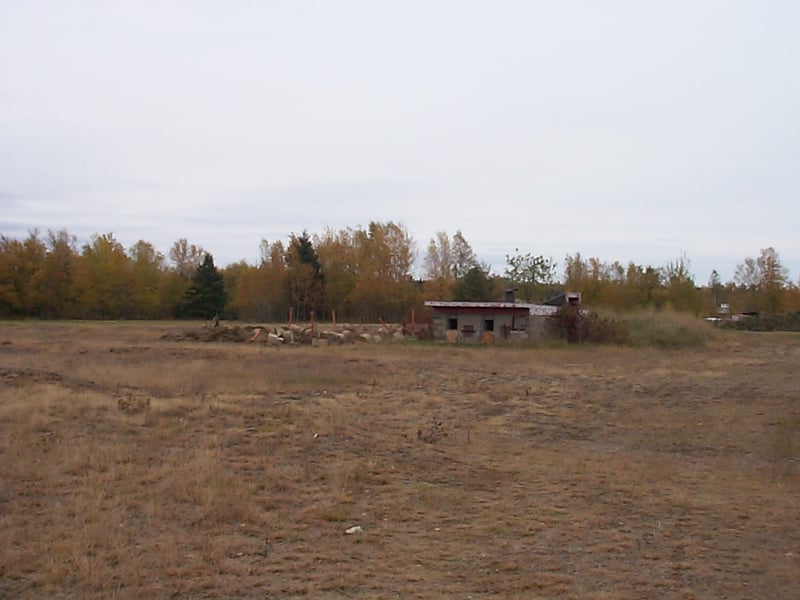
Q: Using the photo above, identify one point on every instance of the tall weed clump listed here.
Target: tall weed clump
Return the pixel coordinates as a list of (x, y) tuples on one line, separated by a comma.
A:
[(660, 329), (666, 329)]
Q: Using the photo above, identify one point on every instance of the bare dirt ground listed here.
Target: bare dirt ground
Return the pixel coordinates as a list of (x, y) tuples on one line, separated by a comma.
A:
[(135, 466)]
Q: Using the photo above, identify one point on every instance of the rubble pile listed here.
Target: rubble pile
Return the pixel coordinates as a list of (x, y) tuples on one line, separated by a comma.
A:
[(272, 335)]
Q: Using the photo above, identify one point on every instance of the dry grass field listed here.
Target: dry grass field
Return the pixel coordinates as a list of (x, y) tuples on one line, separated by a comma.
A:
[(132, 466)]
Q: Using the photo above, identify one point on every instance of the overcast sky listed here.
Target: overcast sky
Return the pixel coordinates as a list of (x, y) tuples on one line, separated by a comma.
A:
[(627, 130)]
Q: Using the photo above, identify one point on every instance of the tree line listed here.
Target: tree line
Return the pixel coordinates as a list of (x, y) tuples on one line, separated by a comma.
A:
[(362, 274)]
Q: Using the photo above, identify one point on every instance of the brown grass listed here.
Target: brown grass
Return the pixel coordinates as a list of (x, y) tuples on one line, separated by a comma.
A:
[(132, 466)]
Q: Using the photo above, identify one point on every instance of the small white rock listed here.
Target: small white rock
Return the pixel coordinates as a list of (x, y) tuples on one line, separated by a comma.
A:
[(356, 529)]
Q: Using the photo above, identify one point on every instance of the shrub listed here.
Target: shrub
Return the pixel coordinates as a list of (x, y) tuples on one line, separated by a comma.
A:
[(575, 325), (772, 322)]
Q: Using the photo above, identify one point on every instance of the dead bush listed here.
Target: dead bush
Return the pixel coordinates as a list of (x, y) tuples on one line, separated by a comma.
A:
[(574, 325)]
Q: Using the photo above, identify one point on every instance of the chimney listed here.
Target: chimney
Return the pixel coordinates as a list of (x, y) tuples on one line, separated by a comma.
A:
[(510, 294)]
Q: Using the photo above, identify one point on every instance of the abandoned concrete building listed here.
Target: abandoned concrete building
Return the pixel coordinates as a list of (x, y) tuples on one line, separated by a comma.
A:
[(490, 322)]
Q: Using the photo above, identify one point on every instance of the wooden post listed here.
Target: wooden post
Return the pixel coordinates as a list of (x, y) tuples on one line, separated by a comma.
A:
[(291, 314), (312, 323), (386, 327), (333, 315), (413, 322)]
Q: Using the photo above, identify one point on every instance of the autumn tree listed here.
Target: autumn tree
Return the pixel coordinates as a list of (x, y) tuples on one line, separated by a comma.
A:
[(715, 288), (774, 280), (681, 293), (764, 280), (260, 291), (148, 277), (439, 258), (643, 287), (384, 287), (105, 278), (186, 257), (593, 278), (20, 261), (447, 261), (274, 300), (439, 267), (530, 274), (57, 278), (464, 258), (9, 297), (618, 287), (339, 261), (239, 282), (747, 274)]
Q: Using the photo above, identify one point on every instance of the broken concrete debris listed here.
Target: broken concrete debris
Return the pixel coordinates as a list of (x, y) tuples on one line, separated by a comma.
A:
[(271, 335)]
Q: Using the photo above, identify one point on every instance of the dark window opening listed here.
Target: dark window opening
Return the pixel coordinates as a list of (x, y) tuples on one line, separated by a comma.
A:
[(452, 323), (488, 325)]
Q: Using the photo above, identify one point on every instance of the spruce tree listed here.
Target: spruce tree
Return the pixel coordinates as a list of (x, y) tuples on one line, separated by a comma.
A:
[(305, 280), (205, 297), (475, 286)]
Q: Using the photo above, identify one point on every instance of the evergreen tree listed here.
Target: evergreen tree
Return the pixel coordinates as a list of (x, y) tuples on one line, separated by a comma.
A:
[(206, 296), (475, 286), (304, 277)]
